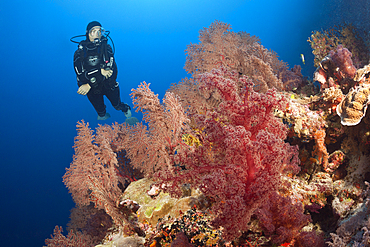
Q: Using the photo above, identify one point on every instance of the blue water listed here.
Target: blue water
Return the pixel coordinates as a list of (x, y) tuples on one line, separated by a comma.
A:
[(38, 99)]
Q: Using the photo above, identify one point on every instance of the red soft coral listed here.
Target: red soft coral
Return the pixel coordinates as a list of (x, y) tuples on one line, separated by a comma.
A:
[(181, 241), (281, 220), (242, 152)]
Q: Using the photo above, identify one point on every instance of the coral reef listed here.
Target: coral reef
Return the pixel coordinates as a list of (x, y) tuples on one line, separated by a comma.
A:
[(354, 229), (154, 207), (72, 239), (90, 221), (336, 69), (192, 228), (118, 240), (243, 153), (347, 35)]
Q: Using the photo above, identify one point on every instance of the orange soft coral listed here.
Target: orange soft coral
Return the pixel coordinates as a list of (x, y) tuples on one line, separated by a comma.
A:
[(320, 149)]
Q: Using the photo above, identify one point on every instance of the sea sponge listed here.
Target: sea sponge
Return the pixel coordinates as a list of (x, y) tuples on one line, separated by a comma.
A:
[(353, 107)]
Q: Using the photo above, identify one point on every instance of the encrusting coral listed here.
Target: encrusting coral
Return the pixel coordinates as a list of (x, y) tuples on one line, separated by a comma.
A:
[(353, 107)]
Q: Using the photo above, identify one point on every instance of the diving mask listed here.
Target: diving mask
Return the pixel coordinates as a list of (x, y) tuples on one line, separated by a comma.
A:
[(96, 32)]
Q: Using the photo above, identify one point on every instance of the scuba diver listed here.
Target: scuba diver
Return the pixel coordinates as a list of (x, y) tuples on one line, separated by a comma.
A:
[(96, 71)]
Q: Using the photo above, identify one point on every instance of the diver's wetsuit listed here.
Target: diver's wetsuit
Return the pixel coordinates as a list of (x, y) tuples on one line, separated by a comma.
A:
[(88, 61)]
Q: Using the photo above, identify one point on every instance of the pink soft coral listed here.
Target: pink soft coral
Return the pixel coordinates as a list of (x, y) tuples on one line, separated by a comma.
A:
[(92, 176), (72, 239), (219, 46), (153, 150)]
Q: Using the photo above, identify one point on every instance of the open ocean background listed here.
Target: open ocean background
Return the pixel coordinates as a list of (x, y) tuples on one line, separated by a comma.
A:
[(38, 100)]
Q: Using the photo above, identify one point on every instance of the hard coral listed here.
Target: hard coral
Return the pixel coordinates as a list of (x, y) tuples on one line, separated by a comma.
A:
[(353, 107), (336, 159), (303, 120), (191, 228)]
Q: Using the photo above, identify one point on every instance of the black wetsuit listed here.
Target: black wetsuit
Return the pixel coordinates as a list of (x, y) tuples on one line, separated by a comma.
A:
[(88, 61)]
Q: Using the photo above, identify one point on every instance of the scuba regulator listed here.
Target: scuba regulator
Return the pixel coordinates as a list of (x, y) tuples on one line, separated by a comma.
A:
[(96, 41), (101, 45)]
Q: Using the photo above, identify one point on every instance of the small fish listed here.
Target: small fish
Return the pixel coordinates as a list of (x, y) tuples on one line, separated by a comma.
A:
[(302, 57)]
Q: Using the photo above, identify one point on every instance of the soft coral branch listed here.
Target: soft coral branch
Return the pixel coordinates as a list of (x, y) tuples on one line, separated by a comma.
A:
[(72, 239), (154, 149), (92, 176)]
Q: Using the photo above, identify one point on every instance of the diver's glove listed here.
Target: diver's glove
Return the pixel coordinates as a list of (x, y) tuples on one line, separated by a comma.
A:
[(84, 89), (106, 73)]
